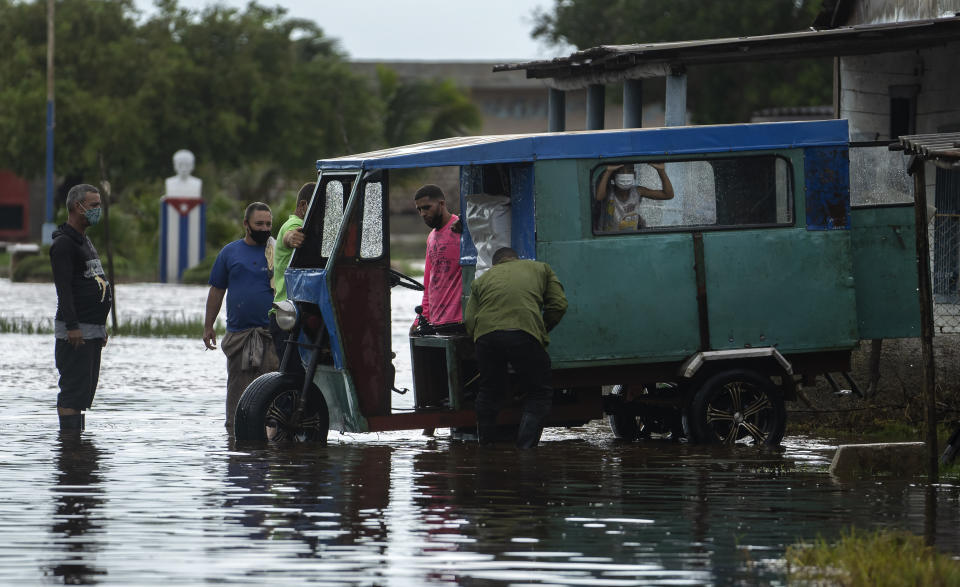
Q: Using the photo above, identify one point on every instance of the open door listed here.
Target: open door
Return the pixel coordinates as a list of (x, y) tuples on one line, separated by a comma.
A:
[(360, 291)]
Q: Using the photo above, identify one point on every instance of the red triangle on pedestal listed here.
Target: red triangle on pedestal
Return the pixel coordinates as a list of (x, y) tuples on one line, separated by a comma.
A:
[(183, 206)]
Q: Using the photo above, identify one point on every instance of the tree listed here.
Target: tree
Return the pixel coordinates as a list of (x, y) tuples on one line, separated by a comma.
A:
[(235, 87), (417, 110), (727, 93)]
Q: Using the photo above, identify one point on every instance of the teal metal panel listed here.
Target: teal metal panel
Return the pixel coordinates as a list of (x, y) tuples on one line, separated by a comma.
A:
[(782, 287), (631, 299), (885, 267), (341, 397), (562, 195)]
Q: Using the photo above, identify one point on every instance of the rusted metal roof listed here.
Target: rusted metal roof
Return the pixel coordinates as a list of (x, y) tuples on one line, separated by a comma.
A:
[(943, 147), (613, 63)]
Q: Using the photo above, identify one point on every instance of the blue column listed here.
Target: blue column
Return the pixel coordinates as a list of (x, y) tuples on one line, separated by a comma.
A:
[(556, 111), (676, 100), (596, 96), (632, 103)]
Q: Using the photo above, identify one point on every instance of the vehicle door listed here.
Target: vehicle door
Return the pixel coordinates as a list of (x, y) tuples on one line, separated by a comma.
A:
[(360, 292)]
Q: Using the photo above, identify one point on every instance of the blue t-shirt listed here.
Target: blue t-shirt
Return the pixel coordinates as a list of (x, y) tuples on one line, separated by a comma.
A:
[(242, 270)]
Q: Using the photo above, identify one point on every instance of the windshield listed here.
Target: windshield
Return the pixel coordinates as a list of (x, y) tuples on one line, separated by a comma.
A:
[(324, 217)]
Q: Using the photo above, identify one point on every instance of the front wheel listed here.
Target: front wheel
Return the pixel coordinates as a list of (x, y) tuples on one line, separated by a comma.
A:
[(737, 405), (267, 411)]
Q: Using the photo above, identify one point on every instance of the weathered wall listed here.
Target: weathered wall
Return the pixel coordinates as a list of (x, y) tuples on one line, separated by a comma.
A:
[(866, 82), (881, 11)]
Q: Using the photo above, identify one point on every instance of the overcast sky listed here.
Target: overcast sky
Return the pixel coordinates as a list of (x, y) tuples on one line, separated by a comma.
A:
[(496, 30)]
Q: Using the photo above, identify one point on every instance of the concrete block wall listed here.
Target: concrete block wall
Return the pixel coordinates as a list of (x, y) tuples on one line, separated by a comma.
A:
[(865, 90), (865, 93)]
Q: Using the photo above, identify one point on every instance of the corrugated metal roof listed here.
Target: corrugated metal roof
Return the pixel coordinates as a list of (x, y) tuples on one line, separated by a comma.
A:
[(939, 146), (601, 143), (612, 63)]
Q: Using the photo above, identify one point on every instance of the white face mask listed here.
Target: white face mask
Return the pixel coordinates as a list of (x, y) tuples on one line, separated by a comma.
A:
[(623, 181)]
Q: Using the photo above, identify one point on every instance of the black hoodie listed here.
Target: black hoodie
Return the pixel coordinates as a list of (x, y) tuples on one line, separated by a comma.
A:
[(83, 293)]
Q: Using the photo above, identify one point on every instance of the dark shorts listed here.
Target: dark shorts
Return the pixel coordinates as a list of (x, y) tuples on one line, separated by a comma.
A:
[(79, 372)]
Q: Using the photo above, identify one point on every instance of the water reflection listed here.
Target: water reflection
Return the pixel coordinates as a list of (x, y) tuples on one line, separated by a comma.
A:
[(78, 496), (153, 493)]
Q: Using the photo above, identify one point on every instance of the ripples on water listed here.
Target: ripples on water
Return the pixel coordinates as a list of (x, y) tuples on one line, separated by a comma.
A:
[(154, 493)]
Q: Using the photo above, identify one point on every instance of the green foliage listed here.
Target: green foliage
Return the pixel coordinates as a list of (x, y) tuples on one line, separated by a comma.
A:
[(224, 221), (232, 86), (199, 274), (33, 268), (141, 327), (257, 96), (423, 110), (879, 558), (717, 93), (238, 88)]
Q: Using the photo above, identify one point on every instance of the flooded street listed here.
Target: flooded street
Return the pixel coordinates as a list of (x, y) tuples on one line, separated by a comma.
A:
[(154, 492)]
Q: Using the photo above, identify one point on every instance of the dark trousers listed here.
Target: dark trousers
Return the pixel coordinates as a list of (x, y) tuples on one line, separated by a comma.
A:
[(79, 372), (531, 364), (280, 337)]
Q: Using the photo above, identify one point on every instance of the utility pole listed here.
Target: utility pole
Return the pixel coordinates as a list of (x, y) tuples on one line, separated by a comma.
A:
[(49, 225)]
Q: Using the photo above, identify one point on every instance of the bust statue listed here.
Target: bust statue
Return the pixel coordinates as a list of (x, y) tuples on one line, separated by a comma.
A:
[(183, 185)]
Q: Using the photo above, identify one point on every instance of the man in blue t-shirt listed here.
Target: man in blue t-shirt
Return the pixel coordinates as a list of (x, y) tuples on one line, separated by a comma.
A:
[(243, 271)]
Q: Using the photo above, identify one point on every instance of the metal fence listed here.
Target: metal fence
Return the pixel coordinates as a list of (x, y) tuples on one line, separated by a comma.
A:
[(879, 176), (945, 252)]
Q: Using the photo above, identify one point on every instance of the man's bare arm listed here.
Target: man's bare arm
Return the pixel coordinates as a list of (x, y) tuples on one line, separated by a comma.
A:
[(214, 302), (293, 238)]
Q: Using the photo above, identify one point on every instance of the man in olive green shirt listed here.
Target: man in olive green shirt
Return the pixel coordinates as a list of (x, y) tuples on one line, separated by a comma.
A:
[(511, 308), (289, 237)]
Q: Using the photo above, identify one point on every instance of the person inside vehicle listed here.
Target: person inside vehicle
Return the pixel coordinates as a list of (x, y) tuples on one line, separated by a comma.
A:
[(619, 195), (442, 279)]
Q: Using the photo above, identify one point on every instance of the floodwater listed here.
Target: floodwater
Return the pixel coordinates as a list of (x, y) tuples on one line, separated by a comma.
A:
[(153, 492)]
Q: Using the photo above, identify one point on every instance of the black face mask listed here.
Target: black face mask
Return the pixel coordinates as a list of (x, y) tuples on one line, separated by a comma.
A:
[(259, 236)]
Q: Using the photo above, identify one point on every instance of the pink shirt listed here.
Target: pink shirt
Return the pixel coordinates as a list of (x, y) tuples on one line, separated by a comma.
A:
[(442, 298)]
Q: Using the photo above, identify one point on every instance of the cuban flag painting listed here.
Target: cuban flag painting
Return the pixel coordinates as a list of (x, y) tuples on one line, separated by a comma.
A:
[(183, 224)]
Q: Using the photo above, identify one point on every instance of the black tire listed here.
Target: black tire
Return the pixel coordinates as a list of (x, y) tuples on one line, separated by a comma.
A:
[(642, 421), (625, 427), (737, 405), (266, 407), (623, 424)]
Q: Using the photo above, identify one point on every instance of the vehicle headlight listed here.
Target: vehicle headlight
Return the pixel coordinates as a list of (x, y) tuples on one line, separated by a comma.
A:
[(286, 312)]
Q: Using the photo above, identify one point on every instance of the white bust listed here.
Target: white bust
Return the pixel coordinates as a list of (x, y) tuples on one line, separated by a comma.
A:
[(183, 185)]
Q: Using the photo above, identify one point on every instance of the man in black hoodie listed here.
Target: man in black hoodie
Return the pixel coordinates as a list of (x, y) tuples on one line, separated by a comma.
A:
[(83, 302)]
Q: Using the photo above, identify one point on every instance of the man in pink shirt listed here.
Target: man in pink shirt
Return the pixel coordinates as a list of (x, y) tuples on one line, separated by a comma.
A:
[(442, 298)]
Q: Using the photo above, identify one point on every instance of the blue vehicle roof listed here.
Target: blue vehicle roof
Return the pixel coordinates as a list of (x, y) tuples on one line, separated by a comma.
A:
[(477, 150)]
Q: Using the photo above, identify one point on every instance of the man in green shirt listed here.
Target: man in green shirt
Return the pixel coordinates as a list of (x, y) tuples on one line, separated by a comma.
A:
[(511, 308), (289, 237)]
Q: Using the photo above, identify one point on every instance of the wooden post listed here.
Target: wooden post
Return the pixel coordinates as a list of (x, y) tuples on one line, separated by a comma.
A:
[(105, 202), (48, 225), (928, 372)]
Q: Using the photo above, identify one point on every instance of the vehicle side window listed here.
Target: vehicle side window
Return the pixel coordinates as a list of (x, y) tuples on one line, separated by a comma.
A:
[(332, 217), (322, 222), (371, 232), (637, 196)]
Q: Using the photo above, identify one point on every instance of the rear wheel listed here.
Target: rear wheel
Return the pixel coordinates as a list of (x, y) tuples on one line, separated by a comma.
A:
[(737, 406), (267, 411), (646, 413)]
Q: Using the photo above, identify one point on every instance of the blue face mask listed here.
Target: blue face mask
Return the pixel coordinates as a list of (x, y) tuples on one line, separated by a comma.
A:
[(93, 216)]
